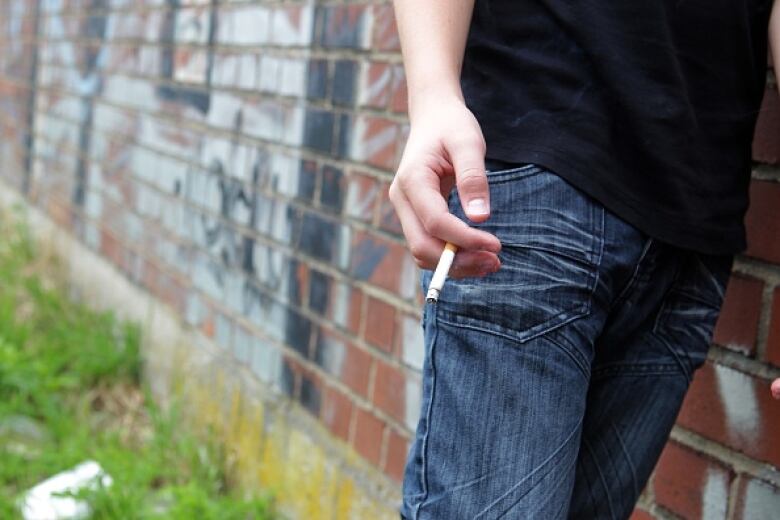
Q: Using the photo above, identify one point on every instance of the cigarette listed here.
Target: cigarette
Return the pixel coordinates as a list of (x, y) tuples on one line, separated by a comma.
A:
[(440, 274)]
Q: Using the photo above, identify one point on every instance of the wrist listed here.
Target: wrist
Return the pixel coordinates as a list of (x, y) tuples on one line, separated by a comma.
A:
[(422, 98)]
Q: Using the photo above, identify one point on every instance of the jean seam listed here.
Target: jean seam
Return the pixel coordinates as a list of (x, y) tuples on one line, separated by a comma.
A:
[(634, 276), (428, 413), (601, 477), (562, 319), (628, 458), (636, 369)]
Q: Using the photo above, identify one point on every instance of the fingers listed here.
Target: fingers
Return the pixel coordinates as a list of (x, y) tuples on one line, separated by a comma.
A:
[(430, 208), (427, 249), (468, 161), (776, 388)]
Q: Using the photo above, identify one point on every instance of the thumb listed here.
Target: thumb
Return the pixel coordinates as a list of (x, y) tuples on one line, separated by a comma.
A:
[(468, 161)]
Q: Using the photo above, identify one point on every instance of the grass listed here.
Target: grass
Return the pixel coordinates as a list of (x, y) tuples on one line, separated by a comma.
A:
[(70, 391)]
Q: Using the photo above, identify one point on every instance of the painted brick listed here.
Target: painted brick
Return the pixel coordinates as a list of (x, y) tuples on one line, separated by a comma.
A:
[(385, 29), (361, 197), (319, 130), (330, 351), (375, 82), (763, 221), (757, 500), (332, 190), (345, 307), (691, 485), (733, 409), (399, 96), (737, 326), (374, 141), (368, 435), (292, 25), (310, 394), (307, 180), (381, 262), (317, 80), (319, 291), (344, 26), (412, 343), (773, 339), (344, 77)]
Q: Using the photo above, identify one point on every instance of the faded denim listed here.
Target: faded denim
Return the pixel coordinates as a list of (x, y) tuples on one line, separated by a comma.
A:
[(551, 386)]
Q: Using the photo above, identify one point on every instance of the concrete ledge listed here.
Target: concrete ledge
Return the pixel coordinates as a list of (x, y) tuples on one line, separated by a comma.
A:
[(273, 443)]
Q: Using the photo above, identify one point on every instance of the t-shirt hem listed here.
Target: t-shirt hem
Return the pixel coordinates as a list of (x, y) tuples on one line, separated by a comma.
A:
[(670, 229)]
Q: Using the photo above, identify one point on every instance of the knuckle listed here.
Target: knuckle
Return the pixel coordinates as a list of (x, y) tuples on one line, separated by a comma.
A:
[(392, 192), (433, 224), (416, 251), (472, 178)]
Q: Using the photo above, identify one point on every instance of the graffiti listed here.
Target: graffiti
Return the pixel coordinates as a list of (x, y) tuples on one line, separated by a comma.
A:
[(182, 26), (89, 86), (29, 138)]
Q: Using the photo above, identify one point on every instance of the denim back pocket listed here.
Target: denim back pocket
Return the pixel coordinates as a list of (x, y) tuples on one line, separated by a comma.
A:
[(551, 236)]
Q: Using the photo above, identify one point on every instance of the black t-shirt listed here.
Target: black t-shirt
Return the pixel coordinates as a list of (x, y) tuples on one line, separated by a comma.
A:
[(647, 106)]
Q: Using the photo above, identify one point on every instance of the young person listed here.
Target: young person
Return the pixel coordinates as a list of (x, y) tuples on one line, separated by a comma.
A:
[(616, 138)]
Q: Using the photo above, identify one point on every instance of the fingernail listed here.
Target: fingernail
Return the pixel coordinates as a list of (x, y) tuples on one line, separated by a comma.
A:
[(478, 207)]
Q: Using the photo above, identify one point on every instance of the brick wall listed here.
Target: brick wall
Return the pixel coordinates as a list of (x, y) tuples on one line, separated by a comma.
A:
[(232, 158)]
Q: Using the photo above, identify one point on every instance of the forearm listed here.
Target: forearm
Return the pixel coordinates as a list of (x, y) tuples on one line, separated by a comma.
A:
[(433, 38), (774, 40)]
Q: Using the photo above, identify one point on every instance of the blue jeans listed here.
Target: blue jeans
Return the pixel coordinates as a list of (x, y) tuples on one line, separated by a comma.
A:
[(551, 386)]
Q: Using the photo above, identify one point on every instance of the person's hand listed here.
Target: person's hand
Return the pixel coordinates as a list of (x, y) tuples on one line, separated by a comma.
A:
[(445, 148), (776, 388)]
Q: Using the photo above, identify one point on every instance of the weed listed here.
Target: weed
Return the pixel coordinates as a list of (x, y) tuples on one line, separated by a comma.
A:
[(70, 391)]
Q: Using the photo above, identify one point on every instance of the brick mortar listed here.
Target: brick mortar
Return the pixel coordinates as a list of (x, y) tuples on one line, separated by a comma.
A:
[(740, 463)]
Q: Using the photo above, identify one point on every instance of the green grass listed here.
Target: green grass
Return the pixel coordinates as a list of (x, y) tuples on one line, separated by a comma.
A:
[(70, 391)]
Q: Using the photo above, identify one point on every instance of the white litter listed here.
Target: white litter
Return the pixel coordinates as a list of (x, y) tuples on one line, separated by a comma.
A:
[(40, 502)]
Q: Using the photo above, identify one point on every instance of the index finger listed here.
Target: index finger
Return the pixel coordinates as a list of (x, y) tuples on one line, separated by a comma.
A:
[(432, 210)]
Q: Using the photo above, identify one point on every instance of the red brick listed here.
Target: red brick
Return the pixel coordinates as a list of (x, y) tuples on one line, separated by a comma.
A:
[(388, 219), (737, 326), (773, 340), (681, 479), (641, 514), (380, 324), (368, 435), (763, 221), (757, 500), (336, 412), (390, 390), (734, 409), (395, 460), (356, 369), (766, 142), (345, 307)]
